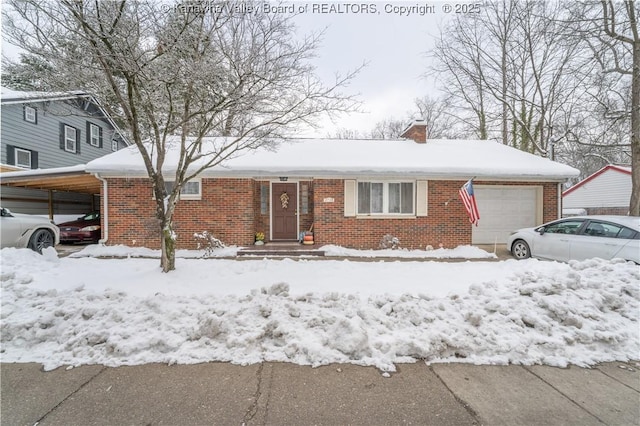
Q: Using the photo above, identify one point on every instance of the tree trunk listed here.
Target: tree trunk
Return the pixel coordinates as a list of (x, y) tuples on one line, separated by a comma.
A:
[(634, 203), (505, 107), (168, 256)]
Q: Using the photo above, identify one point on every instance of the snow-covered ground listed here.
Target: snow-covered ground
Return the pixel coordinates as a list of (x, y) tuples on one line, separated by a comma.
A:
[(124, 311), (461, 252)]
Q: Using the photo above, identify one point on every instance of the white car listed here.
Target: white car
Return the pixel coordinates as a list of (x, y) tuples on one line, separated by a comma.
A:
[(23, 230), (580, 237)]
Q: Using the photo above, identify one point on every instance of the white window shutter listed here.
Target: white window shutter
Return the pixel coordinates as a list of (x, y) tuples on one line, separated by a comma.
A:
[(349, 198), (421, 198)]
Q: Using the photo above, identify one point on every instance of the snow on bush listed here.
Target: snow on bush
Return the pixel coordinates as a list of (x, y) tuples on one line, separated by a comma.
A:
[(581, 313)]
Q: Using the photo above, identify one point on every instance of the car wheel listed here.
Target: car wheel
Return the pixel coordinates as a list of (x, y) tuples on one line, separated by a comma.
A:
[(40, 240), (520, 250)]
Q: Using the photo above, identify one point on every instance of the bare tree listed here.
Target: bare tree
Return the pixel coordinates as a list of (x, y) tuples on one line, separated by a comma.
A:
[(620, 25), (459, 67), (509, 64), (179, 73), (437, 114), (609, 32), (389, 128)]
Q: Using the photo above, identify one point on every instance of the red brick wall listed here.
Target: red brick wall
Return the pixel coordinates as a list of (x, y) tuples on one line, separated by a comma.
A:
[(226, 210), (447, 222), (447, 225), (417, 133), (623, 211), (550, 202), (230, 209)]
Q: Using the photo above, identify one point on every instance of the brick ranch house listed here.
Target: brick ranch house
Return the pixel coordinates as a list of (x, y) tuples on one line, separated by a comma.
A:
[(353, 192)]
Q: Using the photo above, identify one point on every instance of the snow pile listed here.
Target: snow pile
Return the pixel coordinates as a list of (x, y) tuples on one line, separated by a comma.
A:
[(531, 312), (100, 250), (460, 252)]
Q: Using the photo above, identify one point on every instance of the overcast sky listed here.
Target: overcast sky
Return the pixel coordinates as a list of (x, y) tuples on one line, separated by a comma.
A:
[(391, 37), (393, 45)]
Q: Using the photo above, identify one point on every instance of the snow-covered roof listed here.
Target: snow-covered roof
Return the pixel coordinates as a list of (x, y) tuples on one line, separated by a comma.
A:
[(9, 96), (344, 158), (78, 168)]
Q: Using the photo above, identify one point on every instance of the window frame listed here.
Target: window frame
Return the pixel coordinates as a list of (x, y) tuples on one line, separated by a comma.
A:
[(385, 198), (26, 114), (185, 196), (114, 145), (91, 137), (67, 139), (265, 192), (17, 150)]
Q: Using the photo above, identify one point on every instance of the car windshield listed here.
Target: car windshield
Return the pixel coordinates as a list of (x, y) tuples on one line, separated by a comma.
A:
[(91, 216)]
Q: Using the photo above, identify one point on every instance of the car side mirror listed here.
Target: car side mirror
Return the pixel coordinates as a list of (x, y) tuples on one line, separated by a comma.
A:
[(6, 212), (542, 230)]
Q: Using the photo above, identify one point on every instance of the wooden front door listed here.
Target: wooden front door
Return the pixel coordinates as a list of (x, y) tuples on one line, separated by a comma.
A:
[(284, 211)]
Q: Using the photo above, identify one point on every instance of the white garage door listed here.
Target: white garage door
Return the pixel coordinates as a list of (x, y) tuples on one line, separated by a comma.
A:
[(504, 209)]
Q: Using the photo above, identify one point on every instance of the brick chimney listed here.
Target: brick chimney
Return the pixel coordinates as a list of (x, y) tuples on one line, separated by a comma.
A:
[(416, 131)]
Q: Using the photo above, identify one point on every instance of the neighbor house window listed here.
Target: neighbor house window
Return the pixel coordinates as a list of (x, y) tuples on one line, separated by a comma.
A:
[(30, 114), (70, 138), (23, 158), (114, 145), (94, 133), (190, 190), (386, 198)]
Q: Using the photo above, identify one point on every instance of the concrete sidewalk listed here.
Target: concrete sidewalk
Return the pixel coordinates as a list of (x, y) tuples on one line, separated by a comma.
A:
[(289, 394)]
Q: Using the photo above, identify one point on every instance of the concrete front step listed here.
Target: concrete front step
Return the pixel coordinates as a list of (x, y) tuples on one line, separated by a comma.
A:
[(280, 250)]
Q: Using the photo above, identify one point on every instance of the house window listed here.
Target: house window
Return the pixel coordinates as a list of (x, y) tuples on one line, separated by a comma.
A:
[(304, 199), (94, 135), (70, 139), (23, 158), (114, 145), (30, 114), (264, 198), (190, 190), (395, 198)]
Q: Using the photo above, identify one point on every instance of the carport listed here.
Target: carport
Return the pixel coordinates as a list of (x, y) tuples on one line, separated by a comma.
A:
[(62, 179)]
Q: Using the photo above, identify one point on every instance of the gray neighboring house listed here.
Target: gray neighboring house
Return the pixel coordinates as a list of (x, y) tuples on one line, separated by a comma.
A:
[(43, 130)]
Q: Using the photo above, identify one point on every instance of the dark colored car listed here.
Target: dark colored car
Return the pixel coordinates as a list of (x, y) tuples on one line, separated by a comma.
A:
[(85, 229)]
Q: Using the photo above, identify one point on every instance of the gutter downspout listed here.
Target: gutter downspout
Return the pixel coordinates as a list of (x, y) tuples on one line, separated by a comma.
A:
[(105, 209), (559, 200)]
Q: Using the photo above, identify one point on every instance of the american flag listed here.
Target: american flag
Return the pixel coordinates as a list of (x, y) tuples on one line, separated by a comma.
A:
[(469, 201)]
